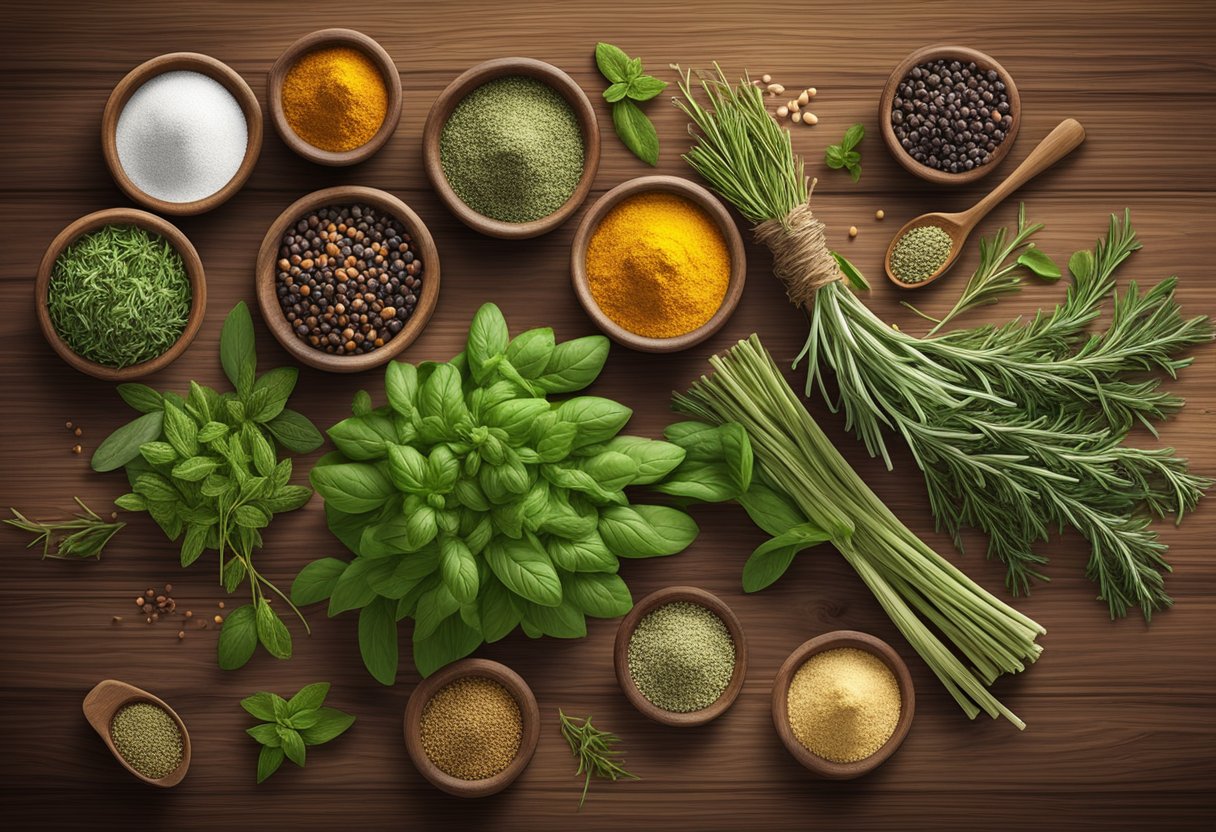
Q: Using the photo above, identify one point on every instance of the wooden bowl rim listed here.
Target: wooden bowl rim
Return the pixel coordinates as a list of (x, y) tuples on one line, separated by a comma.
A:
[(149, 222), (529, 713), (946, 222), (321, 39), (125, 695), (268, 301), (830, 641), (700, 197), (475, 77), (620, 655), (170, 62), (934, 52)]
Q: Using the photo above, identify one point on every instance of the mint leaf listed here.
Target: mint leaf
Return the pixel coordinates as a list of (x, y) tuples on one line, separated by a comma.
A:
[(238, 638), (853, 137), (636, 131), (269, 761), (616, 91), (612, 62), (644, 88), (330, 723)]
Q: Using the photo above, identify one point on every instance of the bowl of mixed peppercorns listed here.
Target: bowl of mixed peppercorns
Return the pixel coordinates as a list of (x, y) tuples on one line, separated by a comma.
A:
[(949, 114), (347, 278)]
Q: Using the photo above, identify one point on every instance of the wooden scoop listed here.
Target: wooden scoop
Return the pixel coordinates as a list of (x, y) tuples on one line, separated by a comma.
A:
[(103, 701), (1058, 144)]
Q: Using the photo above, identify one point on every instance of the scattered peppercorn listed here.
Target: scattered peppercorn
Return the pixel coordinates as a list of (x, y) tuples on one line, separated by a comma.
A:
[(181, 634), (219, 619), (68, 424), (78, 432), (951, 116), (77, 449), (220, 605), (348, 278)]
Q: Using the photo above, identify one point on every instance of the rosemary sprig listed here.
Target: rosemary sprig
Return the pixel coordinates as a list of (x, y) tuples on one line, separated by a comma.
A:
[(81, 538), (593, 747)]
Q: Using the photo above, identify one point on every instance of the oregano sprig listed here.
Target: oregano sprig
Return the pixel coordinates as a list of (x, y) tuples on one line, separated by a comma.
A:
[(845, 155), (628, 84), (289, 726)]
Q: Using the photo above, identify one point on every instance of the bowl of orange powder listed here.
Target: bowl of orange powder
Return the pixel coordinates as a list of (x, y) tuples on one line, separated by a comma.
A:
[(335, 97), (658, 264)]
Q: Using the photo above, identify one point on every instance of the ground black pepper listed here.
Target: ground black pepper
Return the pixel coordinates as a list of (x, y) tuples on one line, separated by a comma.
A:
[(951, 116), (348, 278)]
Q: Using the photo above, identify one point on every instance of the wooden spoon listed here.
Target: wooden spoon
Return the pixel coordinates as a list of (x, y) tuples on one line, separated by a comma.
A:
[(1058, 144), (103, 701)]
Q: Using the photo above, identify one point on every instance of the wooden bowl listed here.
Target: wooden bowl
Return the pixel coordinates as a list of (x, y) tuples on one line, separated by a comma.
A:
[(328, 39), (831, 641), (528, 711), (104, 700), (148, 222), (933, 53), (699, 196), (470, 80), (171, 62), (268, 301), (620, 655)]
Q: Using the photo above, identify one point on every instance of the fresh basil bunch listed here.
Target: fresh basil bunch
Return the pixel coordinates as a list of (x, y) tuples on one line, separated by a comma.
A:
[(205, 468), (475, 505)]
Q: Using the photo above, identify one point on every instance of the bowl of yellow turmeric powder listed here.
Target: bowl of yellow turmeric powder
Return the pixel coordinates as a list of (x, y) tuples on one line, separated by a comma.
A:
[(658, 264), (335, 97)]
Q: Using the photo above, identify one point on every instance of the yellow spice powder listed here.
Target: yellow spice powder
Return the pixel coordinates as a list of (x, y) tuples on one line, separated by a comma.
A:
[(471, 728), (658, 265), (843, 704), (335, 99)]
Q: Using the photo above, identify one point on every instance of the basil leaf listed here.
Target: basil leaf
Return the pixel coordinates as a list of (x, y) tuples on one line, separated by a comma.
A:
[(855, 172), (737, 451), (642, 531), (238, 638), (378, 640), (194, 469), (408, 469), (1043, 266), (237, 352), (636, 131), (771, 558), (433, 608), (272, 632), (515, 417), (330, 723), (524, 570), (487, 340), (458, 568), (574, 364), (644, 88), (616, 92), (853, 137), (364, 437), (1080, 266), (266, 734), (451, 641), (833, 157), (530, 351), (351, 591), (251, 517), (141, 397), (596, 419), (348, 527), (260, 705), (269, 760), (287, 498), (612, 62), (707, 482), (278, 384), (351, 487), (654, 459), (308, 698), (563, 621), (588, 554), (557, 442), (122, 446), (156, 489), (158, 453), (612, 470), (771, 510), (294, 432), (292, 745), (598, 594), (401, 386), (362, 404), (499, 612)]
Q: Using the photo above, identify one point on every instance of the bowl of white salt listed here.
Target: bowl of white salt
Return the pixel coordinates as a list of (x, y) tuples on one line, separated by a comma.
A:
[(181, 133)]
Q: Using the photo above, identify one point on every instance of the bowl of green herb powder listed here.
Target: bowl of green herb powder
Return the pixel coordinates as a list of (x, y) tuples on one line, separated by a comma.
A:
[(512, 147), (120, 294)]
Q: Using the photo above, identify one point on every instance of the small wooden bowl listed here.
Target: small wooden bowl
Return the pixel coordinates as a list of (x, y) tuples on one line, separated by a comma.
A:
[(832, 641), (620, 655), (702, 198), (268, 301), (104, 700), (148, 222), (470, 80), (327, 39), (528, 711), (194, 62), (933, 53)]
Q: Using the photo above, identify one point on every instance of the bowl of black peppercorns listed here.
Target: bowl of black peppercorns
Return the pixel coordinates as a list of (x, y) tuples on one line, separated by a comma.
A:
[(949, 114), (347, 278)]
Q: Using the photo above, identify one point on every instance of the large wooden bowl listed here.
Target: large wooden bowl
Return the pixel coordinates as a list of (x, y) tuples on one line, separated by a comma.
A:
[(470, 80), (327, 39), (193, 62), (268, 301), (528, 711), (700, 197), (933, 53), (620, 655), (831, 641), (148, 222), (104, 700)]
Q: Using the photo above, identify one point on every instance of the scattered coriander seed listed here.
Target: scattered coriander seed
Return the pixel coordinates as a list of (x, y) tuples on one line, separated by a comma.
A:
[(76, 449), (148, 620), (189, 614), (879, 214), (219, 619), (78, 432), (68, 424), (181, 634), (150, 592), (168, 588), (139, 602), (852, 231), (220, 605)]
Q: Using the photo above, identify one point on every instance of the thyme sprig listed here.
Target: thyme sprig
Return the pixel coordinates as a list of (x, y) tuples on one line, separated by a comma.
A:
[(593, 747), (81, 538)]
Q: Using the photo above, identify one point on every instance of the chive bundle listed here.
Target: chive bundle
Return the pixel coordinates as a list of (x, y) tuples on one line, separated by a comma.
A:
[(119, 296)]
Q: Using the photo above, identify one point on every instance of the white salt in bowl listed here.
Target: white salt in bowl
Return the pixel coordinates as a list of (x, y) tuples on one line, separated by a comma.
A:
[(167, 150)]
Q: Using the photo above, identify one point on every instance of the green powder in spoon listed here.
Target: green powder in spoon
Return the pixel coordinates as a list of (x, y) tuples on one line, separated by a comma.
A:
[(919, 253), (148, 739)]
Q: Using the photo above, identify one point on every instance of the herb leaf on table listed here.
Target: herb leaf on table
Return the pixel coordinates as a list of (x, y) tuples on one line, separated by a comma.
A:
[(844, 155), (80, 538), (289, 726), (595, 752), (628, 84)]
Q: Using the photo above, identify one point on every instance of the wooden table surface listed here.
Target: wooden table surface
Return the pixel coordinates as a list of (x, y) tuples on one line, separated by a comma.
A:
[(1121, 720)]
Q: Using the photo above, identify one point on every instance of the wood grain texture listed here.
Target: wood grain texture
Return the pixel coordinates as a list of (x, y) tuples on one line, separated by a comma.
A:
[(1122, 728)]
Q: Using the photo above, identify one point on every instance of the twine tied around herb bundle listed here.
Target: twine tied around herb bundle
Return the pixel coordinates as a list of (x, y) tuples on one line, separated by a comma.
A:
[(801, 257)]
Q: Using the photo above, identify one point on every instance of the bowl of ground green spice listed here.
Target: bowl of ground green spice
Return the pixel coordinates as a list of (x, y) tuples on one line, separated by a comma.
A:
[(512, 147), (141, 731), (843, 703), (120, 294), (472, 727), (681, 656)]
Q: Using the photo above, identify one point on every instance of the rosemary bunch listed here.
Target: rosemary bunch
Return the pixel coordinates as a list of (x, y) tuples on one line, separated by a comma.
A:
[(1018, 428), (83, 537)]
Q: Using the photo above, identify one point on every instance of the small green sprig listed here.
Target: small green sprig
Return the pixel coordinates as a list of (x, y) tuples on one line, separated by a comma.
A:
[(291, 725), (627, 84), (593, 747), (844, 155), (78, 539)]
